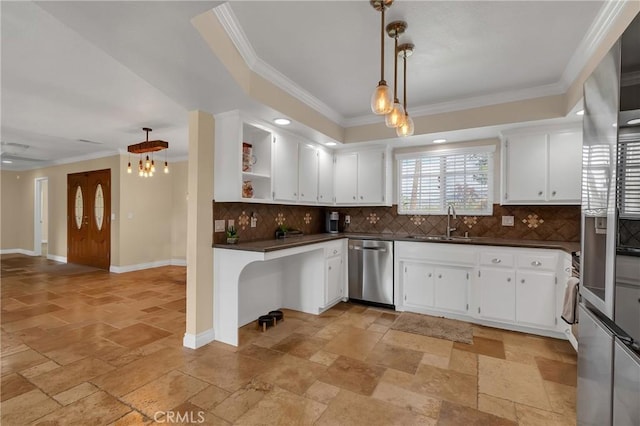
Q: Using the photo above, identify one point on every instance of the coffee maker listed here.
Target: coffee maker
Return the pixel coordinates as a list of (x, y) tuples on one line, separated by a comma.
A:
[(333, 218)]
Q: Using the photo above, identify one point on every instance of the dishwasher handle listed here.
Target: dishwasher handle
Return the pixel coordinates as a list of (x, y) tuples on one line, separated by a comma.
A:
[(382, 249)]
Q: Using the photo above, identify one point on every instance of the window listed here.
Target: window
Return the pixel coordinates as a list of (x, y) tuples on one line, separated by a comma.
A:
[(629, 177), (428, 182)]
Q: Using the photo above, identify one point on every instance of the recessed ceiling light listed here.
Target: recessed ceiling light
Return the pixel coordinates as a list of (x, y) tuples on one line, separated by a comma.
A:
[(7, 161), (633, 121), (439, 140), (282, 121), (581, 112), (331, 144)]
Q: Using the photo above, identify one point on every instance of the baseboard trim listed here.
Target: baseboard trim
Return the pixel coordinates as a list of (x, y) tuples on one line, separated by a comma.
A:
[(60, 259), (18, 251), (147, 265), (195, 341)]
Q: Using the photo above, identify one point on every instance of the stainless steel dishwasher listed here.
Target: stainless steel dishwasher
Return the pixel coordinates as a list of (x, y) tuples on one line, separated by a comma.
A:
[(371, 272)]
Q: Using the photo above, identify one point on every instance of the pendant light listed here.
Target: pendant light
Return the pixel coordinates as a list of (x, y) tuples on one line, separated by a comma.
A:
[(406, 129), (381, 100), (147, 167), (395, 117)]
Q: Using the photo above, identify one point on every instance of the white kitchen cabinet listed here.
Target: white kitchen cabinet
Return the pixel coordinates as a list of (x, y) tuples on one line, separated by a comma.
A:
[(325, 177), (565, 166), (418, 285), (542, 167), (452, 289), (307, 173), (361, 178), (285, 179), (371, 176), (335, 286), (346, 178), (536, 298), (497, 293)]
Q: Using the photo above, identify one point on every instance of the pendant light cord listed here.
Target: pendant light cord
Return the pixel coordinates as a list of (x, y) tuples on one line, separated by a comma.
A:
[(395, 69), (382, 44), (404, 87)]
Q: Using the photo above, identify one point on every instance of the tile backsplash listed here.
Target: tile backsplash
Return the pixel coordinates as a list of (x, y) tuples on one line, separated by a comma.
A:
[(547, 223)]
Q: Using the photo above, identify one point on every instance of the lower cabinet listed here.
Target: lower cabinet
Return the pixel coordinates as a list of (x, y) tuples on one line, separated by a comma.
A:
[(334, 288), (516, 287), (428, 286)]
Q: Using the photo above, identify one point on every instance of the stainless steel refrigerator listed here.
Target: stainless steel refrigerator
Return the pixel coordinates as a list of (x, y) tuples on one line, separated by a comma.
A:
[(609, 313)]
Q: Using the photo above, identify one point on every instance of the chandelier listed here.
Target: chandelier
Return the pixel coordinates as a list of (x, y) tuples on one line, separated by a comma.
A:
[(147, 167), (382, 102)]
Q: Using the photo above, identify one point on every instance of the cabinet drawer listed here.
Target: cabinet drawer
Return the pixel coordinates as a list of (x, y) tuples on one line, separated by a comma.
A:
[(546, 262), (497, 259), (333, 249)]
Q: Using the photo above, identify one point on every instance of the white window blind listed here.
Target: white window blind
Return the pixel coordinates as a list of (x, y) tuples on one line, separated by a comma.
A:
[(596, 172), (628, 174), (429, 182)]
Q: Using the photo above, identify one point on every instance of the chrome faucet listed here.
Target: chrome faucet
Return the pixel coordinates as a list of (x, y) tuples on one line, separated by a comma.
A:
[(450, 210)]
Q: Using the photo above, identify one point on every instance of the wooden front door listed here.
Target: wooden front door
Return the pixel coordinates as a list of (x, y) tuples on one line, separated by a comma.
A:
[(89, 218)]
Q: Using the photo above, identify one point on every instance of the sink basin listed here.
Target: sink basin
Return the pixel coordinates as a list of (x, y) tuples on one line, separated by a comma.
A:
[(439, 238)]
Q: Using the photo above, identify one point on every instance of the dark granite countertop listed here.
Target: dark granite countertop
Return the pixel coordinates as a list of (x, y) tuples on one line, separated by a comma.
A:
[(290, 242)]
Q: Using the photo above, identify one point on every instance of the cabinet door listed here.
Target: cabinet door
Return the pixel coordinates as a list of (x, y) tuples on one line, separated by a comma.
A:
[(536, 298), (526, 168), (308, 173), (346, 178), (497, 294), (325, 177), (285, 184), (371, 177), (418, 285), (565, 167), (451, 289), (334, 287)]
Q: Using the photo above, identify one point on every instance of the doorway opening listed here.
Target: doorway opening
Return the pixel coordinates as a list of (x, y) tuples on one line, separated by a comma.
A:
[(41, 217)]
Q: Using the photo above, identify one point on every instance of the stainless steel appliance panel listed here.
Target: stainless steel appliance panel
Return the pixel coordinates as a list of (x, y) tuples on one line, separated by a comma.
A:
[(626, 386), (371, 271), (595, 370)]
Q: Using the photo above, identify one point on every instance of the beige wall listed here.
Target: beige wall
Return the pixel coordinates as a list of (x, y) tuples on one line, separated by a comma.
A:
[(147, 237), (179, 210)]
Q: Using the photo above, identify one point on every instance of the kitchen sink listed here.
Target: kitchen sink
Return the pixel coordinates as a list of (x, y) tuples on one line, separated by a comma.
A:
[(439, 238)]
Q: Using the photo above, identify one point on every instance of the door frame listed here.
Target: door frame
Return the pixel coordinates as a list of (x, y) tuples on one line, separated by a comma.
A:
[(37, 215)]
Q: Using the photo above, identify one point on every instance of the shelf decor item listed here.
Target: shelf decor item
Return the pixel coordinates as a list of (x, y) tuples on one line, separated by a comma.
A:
[(248, 160), (247, 189)]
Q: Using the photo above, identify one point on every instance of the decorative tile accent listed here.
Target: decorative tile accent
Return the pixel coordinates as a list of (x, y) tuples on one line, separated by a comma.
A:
[(307, 218), (470, 221), (533, 221), (418, 220), (373, 218), (243, 220), (280, 219)]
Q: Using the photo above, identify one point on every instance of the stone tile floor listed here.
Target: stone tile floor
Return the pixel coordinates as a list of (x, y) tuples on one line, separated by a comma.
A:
[(83, 346)]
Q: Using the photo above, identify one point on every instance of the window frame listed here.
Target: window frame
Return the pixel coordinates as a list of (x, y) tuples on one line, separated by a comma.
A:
[(440, 153)]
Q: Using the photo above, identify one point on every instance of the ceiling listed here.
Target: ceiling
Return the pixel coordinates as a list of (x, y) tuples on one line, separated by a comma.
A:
[(100, 71)]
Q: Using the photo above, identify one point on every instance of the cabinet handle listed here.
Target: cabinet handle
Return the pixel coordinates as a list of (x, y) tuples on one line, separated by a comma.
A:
[(495, 260), (508, 280), (361, 197), (335, 251), (302, 195), (440, 276), (321, 196), (295, 193), (539, 192), (553, 193), (536, 263), (429, 276), (329, 267), (522, 281), (354, 197)]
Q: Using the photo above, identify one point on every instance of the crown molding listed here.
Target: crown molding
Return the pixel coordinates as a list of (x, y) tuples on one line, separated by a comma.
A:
[(468, 103), (600, 27), (230, 23)]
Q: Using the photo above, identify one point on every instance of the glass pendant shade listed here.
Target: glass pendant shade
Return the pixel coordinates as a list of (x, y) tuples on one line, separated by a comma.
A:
[(406, 129), (382, 99), (396, 117)]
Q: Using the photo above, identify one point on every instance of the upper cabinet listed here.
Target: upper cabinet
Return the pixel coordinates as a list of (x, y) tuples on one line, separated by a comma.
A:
[(285, 170), (542, 167), (242, 160), (363, 177)]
